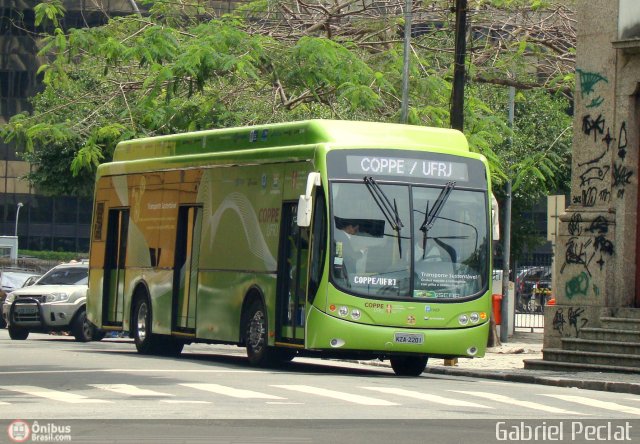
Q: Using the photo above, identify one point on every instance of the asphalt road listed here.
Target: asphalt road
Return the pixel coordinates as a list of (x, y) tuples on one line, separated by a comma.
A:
[(106, 391)]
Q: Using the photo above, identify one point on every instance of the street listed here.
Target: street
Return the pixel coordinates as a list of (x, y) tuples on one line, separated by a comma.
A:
[(56, 377)]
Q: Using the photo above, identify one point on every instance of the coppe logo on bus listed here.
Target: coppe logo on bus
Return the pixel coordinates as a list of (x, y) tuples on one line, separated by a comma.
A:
[(19, 431)]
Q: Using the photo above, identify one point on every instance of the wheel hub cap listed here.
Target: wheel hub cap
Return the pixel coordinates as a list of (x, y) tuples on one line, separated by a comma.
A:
[(142, 322)]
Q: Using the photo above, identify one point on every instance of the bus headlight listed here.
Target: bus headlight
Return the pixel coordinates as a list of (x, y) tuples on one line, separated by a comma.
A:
[(463, 319), (475, 317)]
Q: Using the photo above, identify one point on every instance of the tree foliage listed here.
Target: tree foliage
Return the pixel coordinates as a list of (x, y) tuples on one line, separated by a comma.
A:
[(183, 67), (536, 158)]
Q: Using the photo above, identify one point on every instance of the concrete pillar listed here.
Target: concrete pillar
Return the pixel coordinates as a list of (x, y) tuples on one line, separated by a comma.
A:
[(595, 264)]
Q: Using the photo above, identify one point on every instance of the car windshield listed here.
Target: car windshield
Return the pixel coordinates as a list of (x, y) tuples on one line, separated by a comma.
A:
[(65, 276), (403, 248)]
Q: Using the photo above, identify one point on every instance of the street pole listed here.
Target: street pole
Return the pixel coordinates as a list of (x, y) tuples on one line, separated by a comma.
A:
[(457, 95), (20, 205), (506, 254), (404, 109)]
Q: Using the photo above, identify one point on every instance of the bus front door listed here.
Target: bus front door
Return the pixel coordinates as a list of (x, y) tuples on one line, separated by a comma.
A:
[(292, 278), (185, 271), (114, 267)]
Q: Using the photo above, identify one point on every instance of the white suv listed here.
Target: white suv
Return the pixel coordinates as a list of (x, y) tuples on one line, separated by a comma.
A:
[(55, 302)]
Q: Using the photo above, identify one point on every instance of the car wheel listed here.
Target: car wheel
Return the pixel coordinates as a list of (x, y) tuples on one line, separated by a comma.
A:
[(81, 328), (18, 333), (409, 365)]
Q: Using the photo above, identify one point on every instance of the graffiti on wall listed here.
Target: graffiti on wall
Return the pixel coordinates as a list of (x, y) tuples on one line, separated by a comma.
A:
[(595, 173), (593, 126), (599, 176), (622, 141), (577, 285), (575, 318), (587, 244), (588, 81)]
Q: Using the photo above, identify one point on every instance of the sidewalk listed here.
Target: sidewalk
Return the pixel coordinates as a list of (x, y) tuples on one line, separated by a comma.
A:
[(506, 363)]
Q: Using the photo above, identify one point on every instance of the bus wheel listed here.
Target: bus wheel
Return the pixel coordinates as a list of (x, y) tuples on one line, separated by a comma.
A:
[(81, 329), (142, 335), (409, 365), (18, 333), (256, 334)]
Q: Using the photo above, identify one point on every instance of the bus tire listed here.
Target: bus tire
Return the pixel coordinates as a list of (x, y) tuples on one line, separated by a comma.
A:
[(81, 328), (258, 352), (18, 333), (409, 365), (141, 325)]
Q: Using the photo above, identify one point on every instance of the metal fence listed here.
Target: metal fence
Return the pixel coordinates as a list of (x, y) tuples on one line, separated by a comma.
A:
[(532, 294), (532, 288)]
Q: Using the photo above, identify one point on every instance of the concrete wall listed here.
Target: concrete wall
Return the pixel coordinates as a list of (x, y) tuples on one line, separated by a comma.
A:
[(596, 253)]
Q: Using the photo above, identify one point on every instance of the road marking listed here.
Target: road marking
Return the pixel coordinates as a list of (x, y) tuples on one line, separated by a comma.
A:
[(127, 389), (357, 399), (130, 370), (55, 395), (597, 403), (230, 391), (284, 403), (177, 401), (512, 401), (427, 397), (4, 403)]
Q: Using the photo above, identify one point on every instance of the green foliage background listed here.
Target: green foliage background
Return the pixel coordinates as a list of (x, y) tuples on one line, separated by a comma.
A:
[(180, 68)]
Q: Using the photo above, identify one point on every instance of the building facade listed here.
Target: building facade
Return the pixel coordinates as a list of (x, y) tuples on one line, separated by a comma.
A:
[(597, 266), (43, 222)]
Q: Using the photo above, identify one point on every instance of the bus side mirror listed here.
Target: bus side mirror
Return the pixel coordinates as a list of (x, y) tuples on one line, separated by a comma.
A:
[(495, 218), (305, 203)]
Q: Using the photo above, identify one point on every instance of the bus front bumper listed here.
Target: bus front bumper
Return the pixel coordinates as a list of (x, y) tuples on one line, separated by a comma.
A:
[(329, 333)]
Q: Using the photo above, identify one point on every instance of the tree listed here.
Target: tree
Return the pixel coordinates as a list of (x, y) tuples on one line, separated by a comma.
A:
[(182, 67), (537, 159)]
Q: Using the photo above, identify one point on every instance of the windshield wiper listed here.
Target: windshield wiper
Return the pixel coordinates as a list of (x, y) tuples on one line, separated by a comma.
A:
[(430, 215), (389, 210)]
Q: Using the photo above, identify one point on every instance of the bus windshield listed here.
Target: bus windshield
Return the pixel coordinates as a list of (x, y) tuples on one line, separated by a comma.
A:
[(391, 243)]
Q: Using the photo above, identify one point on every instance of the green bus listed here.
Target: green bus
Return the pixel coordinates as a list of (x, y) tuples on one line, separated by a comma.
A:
[(324, 238)]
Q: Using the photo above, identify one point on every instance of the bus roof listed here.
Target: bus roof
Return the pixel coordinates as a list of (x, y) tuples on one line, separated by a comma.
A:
[(341, 133)]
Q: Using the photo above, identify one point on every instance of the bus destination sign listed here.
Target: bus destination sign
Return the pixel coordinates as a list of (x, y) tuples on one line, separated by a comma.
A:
[(397, 166)]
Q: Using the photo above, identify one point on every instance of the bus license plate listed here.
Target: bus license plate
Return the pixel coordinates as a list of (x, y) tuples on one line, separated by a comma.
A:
[(409, 338), (26, 309)]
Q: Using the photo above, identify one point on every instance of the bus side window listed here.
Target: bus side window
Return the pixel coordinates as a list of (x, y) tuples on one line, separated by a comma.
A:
[(319, 243)]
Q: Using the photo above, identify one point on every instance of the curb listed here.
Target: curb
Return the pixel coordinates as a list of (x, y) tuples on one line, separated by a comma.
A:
[(556, 381)]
